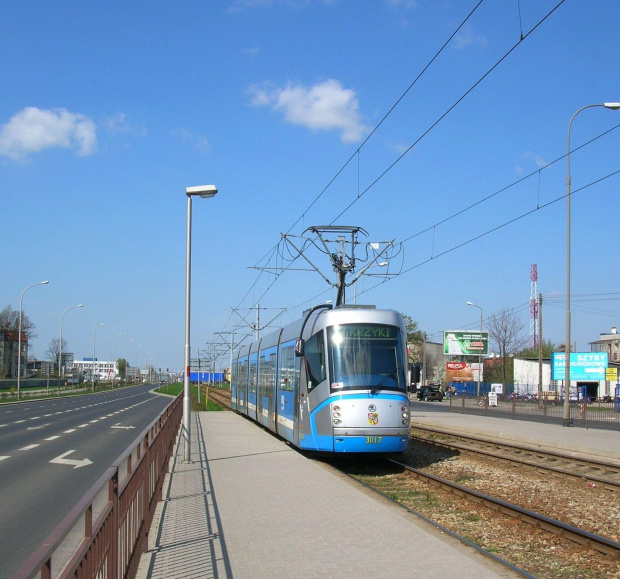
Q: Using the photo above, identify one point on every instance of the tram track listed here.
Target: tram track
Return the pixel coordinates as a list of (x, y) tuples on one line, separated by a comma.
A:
[(604, 473)]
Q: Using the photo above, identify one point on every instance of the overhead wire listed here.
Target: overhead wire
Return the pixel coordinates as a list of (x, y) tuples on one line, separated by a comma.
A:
[(275, 250)]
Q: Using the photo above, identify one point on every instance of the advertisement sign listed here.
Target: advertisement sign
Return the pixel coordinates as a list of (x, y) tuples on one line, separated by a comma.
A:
[(459, 372), (465, 343), (583, 365), (611, 374)]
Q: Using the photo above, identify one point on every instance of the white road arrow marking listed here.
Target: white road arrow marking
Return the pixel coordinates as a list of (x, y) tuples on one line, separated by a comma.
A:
[(38, 427), (73, 462), (118, 425)]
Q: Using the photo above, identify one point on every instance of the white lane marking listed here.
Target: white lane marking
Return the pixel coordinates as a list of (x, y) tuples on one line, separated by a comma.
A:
[(118, 425), (60, 459), (38, 427), (82, 425), (68, 431), (53, 437), (19, 421), (3, 457), (29, 447)]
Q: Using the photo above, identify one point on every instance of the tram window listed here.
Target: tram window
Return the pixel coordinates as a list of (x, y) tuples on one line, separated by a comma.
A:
[(287, 368), (315, 360)]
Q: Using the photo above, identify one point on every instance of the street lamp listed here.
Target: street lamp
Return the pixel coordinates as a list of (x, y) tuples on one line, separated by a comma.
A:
[(480, 353), (566, 408), (94, 336), (205, 191), (60, 372), (19, 335)]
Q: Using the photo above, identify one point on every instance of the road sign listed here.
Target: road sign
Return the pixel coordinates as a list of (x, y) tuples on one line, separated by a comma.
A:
[(583, 365)]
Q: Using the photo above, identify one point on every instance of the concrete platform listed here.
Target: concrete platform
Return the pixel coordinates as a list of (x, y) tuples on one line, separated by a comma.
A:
[(249, 506)]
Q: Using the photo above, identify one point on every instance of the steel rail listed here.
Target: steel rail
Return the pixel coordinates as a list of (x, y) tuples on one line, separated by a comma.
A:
[(600, 544), (593, 465)]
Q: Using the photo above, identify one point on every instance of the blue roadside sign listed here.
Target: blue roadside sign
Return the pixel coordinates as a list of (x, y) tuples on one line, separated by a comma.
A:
[(583, 365)]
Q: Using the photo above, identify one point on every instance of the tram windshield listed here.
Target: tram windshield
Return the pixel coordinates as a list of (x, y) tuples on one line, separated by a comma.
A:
[(366, 356)]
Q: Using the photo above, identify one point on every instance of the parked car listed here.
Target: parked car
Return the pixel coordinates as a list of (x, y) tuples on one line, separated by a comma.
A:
[(430, 393)]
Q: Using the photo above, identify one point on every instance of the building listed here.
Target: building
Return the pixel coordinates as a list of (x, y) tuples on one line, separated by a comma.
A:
[(8, 354), (102, 370), (609, 343)]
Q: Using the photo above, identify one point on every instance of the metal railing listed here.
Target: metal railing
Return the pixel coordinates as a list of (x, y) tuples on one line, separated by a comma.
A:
[(105, 534), (583, 413)]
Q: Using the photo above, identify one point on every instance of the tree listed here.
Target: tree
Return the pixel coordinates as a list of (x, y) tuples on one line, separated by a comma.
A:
[(121, 368), (9, 328), (506, 334), (548, 347), (415, 337), (54, 350)]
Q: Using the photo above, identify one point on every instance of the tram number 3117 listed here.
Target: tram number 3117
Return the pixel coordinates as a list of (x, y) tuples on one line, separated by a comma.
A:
[(373, 439)]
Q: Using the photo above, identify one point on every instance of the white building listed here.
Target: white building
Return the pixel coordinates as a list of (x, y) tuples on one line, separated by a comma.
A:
[(103, 370)]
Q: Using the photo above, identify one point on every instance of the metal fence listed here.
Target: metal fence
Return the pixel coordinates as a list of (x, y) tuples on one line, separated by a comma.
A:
[(106, 532), (596, 414)]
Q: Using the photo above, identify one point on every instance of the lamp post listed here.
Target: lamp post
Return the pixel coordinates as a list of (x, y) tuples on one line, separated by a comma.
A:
[(19, 336), (480, 353), (94, 357), (206, 192), (60, 367), (566, 407)]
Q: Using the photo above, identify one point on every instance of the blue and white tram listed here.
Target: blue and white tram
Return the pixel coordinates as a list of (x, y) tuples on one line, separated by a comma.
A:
[(334, 381)]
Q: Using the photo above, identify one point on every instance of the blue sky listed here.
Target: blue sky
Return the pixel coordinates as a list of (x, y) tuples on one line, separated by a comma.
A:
[(110, 110)]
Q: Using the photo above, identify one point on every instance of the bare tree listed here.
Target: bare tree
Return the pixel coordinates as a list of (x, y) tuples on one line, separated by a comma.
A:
[(53, 349), (506, 334)]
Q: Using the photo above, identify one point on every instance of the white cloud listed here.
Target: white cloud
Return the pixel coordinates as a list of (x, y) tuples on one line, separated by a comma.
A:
[(197, 141), (323, 107), (468, 37), (31, 130), (119, 125), (538, 160)]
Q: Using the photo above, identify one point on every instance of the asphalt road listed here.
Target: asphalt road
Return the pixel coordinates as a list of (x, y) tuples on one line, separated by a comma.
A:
[(53, 451)]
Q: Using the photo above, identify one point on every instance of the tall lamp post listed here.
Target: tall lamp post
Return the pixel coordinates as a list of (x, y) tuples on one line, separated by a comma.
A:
[(566, 407), (60, 367), (19, 336), (206, 192), (94, 356), (480, 353)]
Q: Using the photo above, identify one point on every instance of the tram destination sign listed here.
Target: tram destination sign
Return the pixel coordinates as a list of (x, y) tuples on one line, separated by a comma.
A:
[(583, 365)]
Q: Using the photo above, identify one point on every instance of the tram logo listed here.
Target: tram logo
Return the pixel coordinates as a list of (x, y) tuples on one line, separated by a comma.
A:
[(372, 408), (373, 418)]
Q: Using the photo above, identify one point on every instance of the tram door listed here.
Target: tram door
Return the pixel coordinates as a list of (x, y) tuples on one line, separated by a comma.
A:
[(285, 399), (266, 387), (252, 385)]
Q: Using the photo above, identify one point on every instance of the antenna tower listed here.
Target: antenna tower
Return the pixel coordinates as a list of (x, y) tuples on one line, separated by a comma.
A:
[(534, 330)]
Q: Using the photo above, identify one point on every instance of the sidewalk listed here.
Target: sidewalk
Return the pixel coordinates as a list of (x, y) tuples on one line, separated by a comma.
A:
[(184, 540), (251, 507)]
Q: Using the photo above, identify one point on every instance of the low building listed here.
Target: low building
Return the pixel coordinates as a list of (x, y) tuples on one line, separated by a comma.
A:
[(101, 369)]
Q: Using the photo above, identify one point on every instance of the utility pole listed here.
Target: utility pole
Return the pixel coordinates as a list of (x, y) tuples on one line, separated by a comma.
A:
[(540, 353)]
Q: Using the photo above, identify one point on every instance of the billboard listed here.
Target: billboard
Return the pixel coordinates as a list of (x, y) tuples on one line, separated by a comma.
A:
[(465, 343), (583, 365)]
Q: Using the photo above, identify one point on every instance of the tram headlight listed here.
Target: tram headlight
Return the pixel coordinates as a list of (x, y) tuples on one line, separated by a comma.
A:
[(337, 421), (336, 414)]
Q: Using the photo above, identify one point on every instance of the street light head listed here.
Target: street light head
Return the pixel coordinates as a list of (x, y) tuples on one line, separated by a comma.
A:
[(612, 106), (470, 304), (204, 191), (45, 282)]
